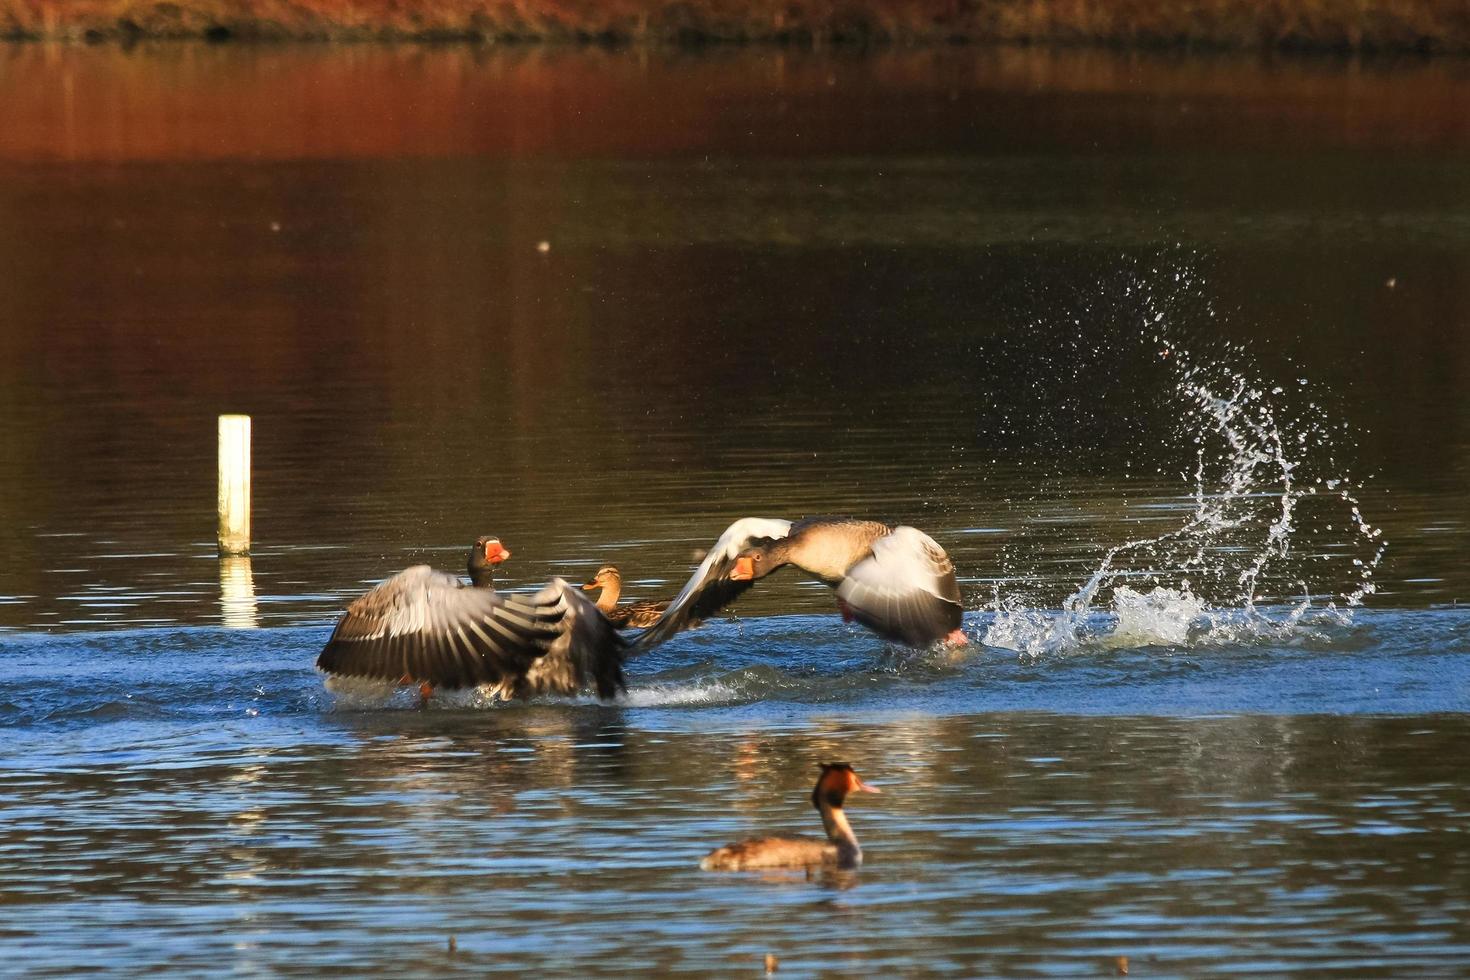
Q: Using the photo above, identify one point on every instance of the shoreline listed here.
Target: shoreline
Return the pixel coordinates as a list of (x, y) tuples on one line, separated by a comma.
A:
[(1350, 26)]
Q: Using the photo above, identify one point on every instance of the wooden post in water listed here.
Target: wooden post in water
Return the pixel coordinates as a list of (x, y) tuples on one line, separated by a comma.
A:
[(234, 484)]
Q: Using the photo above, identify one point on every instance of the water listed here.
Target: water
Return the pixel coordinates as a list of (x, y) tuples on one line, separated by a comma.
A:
[(1259, 809), (1169, 353)]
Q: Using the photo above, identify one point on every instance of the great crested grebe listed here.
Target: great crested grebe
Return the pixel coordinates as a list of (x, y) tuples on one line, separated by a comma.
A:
[(637, 615), (896, 581), (840, 849), (424, 627)]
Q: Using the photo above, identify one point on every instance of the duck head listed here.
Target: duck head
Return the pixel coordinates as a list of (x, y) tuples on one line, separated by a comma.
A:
[(607, 576)]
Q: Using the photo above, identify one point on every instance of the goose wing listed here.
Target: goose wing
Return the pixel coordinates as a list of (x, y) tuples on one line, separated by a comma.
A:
[(589, 651), (710, 589), (906, 590), (423, 625)]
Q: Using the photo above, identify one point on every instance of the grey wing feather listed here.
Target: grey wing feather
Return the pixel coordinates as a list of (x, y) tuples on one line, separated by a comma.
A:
[(589, 651), (423, 625), (710, 589), (906, 591)]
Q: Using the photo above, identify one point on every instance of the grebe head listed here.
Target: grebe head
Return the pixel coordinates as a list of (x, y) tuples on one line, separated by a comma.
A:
[(606, 575), (835, 782)]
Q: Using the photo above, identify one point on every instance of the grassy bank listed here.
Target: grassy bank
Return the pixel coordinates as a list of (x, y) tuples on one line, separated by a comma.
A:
[(1360, 25)]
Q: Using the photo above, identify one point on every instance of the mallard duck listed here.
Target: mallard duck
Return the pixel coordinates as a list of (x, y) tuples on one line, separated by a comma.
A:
[(897, 581), (840, 849), (425, 627), (636, 615)]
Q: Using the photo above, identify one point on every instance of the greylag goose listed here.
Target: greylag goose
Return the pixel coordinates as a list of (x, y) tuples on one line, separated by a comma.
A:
[(839, 849), (896, 581), (589, 651), (638, 615), (424, 627)]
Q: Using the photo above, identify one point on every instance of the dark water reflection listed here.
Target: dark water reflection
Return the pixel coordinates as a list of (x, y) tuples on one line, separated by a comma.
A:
[(948, 288), (917, 309)]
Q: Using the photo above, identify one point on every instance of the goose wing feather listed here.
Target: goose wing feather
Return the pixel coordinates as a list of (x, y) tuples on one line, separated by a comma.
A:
[(906, 590), (423, 625), (588, 652), (710, 589)]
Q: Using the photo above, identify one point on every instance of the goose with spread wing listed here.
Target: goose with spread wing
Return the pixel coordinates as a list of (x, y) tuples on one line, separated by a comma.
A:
[(425, 627), (896, 581)]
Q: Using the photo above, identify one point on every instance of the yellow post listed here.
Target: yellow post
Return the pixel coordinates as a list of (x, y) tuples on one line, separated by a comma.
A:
[(234, 484)]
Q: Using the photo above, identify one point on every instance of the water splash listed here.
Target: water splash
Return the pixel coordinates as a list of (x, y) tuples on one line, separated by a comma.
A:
[(1161, 615), (1275, 532), (352, 694), (693, 692)]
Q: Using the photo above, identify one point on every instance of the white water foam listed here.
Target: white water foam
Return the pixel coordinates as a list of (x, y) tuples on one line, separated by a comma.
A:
[(1259, 460), (658, 695), (361, 694)]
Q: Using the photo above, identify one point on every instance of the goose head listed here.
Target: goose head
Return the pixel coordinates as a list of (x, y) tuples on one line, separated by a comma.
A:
[(759, 560), (485, 554)]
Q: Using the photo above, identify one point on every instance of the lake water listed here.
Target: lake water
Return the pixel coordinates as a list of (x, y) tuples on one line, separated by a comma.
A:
[(1170, 353)]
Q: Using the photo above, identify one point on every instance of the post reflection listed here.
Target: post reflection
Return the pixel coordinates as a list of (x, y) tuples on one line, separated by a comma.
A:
[(238, 608)]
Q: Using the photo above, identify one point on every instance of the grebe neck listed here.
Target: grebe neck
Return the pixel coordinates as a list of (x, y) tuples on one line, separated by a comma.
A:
[(839, 832)]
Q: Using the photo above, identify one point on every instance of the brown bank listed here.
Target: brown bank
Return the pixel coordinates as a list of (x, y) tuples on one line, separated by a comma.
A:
[(1390, 25)]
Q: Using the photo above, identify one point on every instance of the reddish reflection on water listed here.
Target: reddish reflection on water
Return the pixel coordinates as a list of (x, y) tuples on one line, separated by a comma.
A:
[(188, 102)]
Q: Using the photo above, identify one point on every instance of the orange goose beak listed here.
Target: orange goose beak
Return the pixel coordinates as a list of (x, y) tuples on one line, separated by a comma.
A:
[(495, 552), (743, 571)]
